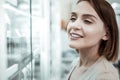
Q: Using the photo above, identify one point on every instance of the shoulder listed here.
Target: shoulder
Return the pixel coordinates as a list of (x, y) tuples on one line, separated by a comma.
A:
[(107, 71), (108, 76)]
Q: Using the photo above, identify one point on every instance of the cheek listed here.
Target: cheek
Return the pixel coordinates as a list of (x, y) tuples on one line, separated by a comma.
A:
[(89, 31), (68, 28), (95, 30), (94, 33)]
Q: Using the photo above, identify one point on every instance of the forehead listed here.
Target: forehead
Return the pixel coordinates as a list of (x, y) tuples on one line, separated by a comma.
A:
[(84, 7)]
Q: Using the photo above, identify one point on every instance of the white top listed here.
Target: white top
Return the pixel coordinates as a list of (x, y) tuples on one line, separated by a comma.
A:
[(102, 69)]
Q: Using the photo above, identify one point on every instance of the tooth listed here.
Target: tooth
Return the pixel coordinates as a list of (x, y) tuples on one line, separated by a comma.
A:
[(73, 35)]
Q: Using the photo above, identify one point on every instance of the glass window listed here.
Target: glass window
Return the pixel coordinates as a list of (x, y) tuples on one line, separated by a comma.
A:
[(18, 38)]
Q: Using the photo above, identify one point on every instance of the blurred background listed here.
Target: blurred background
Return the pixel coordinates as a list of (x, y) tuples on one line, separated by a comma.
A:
[(33, 40)]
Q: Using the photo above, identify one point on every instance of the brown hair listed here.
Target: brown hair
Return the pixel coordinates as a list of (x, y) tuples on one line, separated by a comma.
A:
[(105, 11)]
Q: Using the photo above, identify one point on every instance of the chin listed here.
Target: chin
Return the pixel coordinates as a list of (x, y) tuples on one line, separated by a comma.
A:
[(72, 46)]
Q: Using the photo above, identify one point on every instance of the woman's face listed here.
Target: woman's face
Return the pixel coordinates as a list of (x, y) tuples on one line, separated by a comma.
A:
[(85, 28)]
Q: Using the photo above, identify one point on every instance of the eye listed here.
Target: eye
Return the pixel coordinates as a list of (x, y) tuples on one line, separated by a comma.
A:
[(88, 21), (72, 19)]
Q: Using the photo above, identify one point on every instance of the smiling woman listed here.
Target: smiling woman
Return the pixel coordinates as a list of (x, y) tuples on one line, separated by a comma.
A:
[(93, 32)]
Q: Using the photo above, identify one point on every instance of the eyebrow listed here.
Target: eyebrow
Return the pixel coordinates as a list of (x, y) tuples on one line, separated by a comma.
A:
[(73, 13), (89, 15), (84, 15)]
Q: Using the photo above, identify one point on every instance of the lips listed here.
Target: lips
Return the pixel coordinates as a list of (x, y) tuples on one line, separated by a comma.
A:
[(75, 36)]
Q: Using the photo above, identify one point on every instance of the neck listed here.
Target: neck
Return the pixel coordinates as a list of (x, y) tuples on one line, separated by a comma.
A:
[(88, 57)]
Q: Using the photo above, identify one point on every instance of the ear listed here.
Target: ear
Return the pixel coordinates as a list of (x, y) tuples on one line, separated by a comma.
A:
[(106, 35)]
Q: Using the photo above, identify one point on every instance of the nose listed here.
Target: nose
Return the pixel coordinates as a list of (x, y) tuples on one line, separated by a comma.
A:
[(75, 25)]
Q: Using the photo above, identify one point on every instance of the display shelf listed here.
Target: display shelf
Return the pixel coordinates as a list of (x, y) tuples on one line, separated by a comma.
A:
[(18, 67), (11, 70)]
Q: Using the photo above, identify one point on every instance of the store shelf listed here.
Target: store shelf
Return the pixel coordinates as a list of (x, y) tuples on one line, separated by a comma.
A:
[(11, 70)]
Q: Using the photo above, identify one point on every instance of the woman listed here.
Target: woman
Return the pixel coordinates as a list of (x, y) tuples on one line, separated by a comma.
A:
[(93, 32)]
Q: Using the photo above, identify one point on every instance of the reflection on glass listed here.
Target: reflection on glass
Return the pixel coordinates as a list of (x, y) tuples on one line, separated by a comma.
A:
[(18, 36)]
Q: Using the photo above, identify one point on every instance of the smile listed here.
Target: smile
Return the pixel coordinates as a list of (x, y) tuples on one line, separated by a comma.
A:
[(75, 36)]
